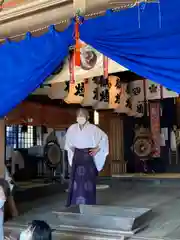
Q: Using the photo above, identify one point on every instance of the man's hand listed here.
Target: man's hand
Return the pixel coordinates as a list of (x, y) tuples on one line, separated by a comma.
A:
[(94, 151)]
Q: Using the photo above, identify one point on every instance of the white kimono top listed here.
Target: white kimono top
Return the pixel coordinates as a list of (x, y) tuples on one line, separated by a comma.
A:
[(90, 136)]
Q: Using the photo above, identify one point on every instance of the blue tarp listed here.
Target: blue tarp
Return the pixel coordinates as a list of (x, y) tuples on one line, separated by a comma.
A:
[(145, 40), (26, 64), (151, 50)]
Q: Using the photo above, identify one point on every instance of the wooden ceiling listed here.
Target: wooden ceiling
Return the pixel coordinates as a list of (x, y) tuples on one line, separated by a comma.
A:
[(20, 16)]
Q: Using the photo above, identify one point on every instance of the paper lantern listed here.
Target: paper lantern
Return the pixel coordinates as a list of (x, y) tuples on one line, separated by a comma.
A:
[(136, 89), (137, 107), (90, 92), (91, 65), (153, 90), (124, 102), (115, 89), (103, 95), (58, 90), (76, 93), (167, 93)]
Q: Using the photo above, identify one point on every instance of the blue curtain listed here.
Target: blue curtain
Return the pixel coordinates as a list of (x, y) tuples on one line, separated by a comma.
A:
[(147, 43), (146, 40), (26, 64)]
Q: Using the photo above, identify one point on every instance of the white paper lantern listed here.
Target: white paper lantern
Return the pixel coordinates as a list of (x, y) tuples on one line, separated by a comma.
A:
[(137, 107), (58, 90), (136, 89), (123, 103), (115, 89), (103, 97), (167, 93), (90, 92), (76, 93), (153, 90)]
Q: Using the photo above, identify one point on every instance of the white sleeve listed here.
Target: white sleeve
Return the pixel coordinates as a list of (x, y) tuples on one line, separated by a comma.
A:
[(103, 144), (69, 146)]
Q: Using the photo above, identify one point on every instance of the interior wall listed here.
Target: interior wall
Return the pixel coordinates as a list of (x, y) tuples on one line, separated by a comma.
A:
[(37, 114)]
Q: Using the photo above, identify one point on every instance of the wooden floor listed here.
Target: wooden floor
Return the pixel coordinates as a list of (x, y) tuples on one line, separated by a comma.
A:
[(149, 175), (31, 184), (163, 199)]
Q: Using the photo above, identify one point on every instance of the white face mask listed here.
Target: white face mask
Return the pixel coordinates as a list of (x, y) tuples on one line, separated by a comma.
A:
[(81, 120)]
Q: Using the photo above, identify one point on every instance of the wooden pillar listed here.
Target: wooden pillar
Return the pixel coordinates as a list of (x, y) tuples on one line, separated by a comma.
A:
[(2, 147), (118, 165), (112, 124), (104, 124)]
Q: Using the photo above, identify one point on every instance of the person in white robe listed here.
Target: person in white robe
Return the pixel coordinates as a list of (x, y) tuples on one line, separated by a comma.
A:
[(87, 147)]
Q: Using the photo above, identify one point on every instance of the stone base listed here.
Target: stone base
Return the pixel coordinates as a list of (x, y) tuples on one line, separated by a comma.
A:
[(105, 218)]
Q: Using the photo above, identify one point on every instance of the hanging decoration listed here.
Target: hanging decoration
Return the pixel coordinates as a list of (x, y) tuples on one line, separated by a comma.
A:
[(154, 112), (58, 90), (138, 108), (137, 97), (136, 89), (71, 67), (76, 88), (78, 22), (103, 94), (91, 65), (90, 92), (168, 93), (115, 89), (76, 93), (153, 90), (124, 103), (103, 88)]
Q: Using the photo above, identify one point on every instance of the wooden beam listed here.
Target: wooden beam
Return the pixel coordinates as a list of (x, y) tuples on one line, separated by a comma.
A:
[(79, 5), (36, 16)]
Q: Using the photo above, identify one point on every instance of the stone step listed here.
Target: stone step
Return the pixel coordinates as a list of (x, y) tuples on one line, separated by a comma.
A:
[(104, 219)]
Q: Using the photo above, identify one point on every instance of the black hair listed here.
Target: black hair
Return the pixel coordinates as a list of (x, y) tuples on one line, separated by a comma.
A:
[(84, 111), (41, 230)]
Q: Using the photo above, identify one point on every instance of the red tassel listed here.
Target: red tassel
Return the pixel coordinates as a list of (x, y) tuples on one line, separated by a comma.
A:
[(105, 66), (77, 45)]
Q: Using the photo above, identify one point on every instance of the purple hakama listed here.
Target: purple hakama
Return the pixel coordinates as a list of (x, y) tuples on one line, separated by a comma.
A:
[(82, 189)]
